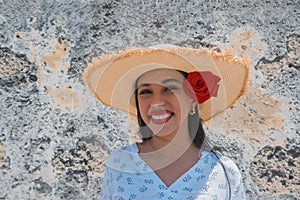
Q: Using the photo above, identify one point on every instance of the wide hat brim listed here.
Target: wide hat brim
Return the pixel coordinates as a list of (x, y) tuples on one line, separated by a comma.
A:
[(111, 78)]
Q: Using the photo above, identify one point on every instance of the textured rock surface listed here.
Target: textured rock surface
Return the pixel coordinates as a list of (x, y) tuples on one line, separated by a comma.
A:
[(55, 137)]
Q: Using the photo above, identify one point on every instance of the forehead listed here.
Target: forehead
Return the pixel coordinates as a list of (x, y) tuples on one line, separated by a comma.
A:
[(159, 75)]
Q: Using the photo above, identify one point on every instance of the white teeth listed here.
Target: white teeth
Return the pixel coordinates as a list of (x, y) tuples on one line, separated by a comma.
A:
[(158, 117)]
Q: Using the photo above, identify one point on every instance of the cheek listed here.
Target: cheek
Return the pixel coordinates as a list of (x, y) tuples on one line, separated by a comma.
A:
[(184, 104), (143, 107), (181, 98)]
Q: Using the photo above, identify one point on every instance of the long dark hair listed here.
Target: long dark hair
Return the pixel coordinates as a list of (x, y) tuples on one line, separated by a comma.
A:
[(195, 127)]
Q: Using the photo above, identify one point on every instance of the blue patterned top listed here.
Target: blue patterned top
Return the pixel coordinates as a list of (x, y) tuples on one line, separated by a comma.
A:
[(129, 177)]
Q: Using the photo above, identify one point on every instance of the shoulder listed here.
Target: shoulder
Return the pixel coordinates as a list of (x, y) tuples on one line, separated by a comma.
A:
[(232, 173), (130, 148), (228, 165), (125, 159), (226, 161), (231, 168), (234, 177), (122, 151)]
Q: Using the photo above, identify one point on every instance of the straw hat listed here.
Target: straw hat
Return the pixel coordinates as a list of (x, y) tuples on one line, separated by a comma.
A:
[(111, 78)]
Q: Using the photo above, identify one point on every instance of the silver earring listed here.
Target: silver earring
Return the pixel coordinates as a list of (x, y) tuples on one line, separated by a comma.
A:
[(192, 111)]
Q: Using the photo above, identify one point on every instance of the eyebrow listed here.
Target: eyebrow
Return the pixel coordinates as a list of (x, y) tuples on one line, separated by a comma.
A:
[(163, 82)]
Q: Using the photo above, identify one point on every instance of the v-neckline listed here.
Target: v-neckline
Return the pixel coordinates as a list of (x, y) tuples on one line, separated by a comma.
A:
[(203, 155)]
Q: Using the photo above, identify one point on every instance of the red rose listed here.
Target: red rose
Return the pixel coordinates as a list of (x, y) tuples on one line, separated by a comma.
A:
[(200, 86)]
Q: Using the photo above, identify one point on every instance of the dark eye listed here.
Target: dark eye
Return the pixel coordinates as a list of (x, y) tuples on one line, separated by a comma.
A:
[(144, 92)]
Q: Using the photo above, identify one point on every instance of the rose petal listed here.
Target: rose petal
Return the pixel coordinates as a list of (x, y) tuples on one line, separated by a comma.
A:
[(200, 86)]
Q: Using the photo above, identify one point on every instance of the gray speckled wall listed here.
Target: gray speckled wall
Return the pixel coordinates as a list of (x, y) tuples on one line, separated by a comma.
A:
[(55, 136)]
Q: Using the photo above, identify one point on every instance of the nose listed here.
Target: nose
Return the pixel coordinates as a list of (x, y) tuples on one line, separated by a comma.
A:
[(158, 99)]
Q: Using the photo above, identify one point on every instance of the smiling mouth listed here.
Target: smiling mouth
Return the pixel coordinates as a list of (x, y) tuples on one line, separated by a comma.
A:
[(161, 117)]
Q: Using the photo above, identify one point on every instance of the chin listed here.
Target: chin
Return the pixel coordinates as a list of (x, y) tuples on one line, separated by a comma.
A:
[(163, 132)]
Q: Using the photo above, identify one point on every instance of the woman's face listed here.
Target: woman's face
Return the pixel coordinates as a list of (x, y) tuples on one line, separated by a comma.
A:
[(163, 104)]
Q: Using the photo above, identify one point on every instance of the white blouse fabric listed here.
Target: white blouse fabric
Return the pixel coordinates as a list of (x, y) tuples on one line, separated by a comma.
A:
[(129, 177)]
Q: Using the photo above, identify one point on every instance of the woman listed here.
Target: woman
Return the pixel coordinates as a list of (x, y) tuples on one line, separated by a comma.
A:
[(170, 90)]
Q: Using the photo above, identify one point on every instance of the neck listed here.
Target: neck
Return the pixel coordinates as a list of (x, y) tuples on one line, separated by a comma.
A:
[(180, 138), (171, 144), (168, 149)]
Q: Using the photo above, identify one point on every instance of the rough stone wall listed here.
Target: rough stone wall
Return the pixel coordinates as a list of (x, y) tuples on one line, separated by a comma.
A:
[(55, 136)]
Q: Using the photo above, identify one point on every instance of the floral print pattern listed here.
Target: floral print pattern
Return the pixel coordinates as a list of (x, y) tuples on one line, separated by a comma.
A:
[(127, 176)]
